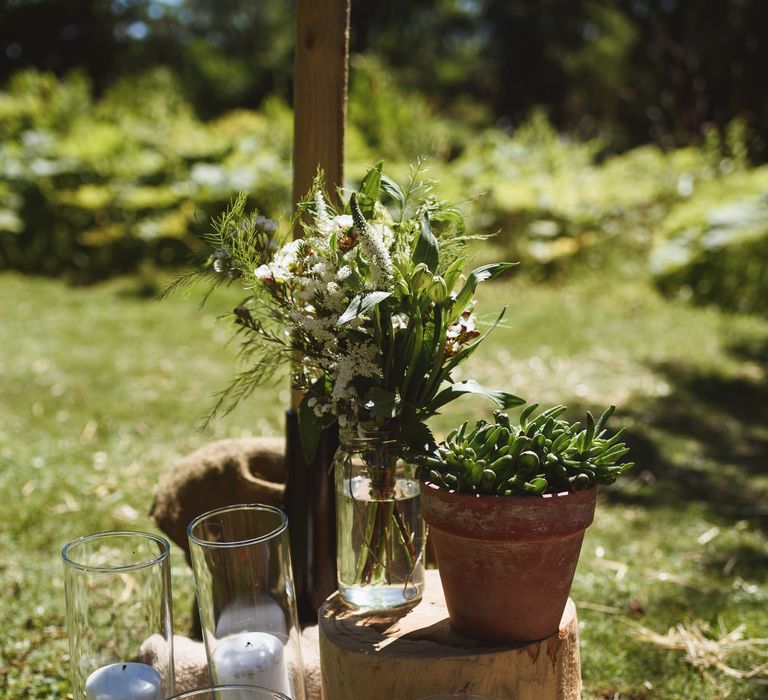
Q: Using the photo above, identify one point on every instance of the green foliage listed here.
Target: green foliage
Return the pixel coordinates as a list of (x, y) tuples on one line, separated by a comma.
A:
[(392, 122), (553, 198), (93, 188), (543, 454), (90, 188), (713, 245), (652, 70)]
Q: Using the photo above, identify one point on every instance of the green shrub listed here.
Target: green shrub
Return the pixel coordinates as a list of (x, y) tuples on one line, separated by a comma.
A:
[(714, 246), (553, 199), (92, 188), (390, 123)]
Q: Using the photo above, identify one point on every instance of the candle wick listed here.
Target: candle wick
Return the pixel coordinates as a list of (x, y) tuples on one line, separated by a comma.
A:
[(125, 666), (248, 644)]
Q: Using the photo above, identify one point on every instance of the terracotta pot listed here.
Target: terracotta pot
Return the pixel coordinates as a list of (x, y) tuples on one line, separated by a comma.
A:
[(506, 563)]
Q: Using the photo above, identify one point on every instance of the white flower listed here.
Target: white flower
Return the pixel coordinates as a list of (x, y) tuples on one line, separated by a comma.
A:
[(341, 224), (377, 256), (465, 325), (287, 256), (321, 213), (399, 322), (385, 233), (326, 225), (460, 333), (321, 409), (282, 267), (263, 272)]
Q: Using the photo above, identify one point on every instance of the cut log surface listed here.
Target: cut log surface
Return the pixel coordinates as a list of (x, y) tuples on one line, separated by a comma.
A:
[(414, 654)]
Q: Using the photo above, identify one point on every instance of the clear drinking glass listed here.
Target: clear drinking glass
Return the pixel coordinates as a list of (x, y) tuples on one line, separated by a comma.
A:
[(231, 692), (242, 565), (117, 587)]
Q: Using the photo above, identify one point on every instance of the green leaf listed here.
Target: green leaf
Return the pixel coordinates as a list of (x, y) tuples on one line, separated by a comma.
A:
[(480, 274), (604, 419), (361, 304), (535, 486), (414, 345), (590, 431), (370, 188), (382, 403), (427, 248), (452, 274), (527, 411), (391, 188), (470, 386), (417, 437)]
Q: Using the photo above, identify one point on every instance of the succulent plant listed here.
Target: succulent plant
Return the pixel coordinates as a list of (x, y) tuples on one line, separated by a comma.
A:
[(543, 454)]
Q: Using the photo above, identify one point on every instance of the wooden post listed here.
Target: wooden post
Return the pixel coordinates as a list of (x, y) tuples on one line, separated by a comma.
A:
[(320, 104), (320, 92)]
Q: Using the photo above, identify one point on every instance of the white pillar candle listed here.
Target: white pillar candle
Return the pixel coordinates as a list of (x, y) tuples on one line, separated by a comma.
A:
[(264, 614), (251, 658), (128, 681)]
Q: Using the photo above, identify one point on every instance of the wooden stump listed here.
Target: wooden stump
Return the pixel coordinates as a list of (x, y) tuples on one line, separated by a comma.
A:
[(413, 654)]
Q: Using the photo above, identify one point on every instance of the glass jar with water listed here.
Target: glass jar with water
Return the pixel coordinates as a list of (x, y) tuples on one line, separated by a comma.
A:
[(379, 528)]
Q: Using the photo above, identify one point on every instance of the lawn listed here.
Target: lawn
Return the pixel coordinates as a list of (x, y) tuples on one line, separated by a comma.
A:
[(102, 389)]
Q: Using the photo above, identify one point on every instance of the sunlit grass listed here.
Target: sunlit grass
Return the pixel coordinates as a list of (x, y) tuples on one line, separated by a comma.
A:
[(101, 390)]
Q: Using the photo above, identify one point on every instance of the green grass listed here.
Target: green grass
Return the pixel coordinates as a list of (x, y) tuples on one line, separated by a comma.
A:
[(101, 390)]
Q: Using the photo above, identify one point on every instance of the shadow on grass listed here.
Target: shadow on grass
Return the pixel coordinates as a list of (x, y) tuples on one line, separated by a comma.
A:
[(750, 347), (738, 560), (715, 444)]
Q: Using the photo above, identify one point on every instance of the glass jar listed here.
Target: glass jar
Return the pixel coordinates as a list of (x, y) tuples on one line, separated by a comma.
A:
[(379, 529)]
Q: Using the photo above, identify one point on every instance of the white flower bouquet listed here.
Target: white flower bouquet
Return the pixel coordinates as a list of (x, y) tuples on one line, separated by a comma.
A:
[(370, 307)]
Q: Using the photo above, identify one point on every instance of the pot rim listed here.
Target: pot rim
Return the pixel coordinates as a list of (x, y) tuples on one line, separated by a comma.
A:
[(518, 499), (499, 518)]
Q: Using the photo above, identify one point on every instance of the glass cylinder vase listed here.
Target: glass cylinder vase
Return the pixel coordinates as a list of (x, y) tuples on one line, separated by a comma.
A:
[(245, 592), (379, 529), (117, 587)]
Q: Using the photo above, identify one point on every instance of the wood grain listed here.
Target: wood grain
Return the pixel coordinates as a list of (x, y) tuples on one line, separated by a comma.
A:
[(321, 75), (413, 654), (320, 92)]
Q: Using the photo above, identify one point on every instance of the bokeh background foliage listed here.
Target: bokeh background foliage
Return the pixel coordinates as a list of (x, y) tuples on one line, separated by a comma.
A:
[(617, 148), (92, 186)]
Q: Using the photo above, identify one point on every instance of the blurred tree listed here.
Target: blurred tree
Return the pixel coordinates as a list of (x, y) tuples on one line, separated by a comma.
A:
[(227, 53), (696, 64), (59, 35), (662, 70)]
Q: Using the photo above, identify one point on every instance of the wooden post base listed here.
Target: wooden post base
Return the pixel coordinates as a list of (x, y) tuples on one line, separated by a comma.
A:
[(413, 654)]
